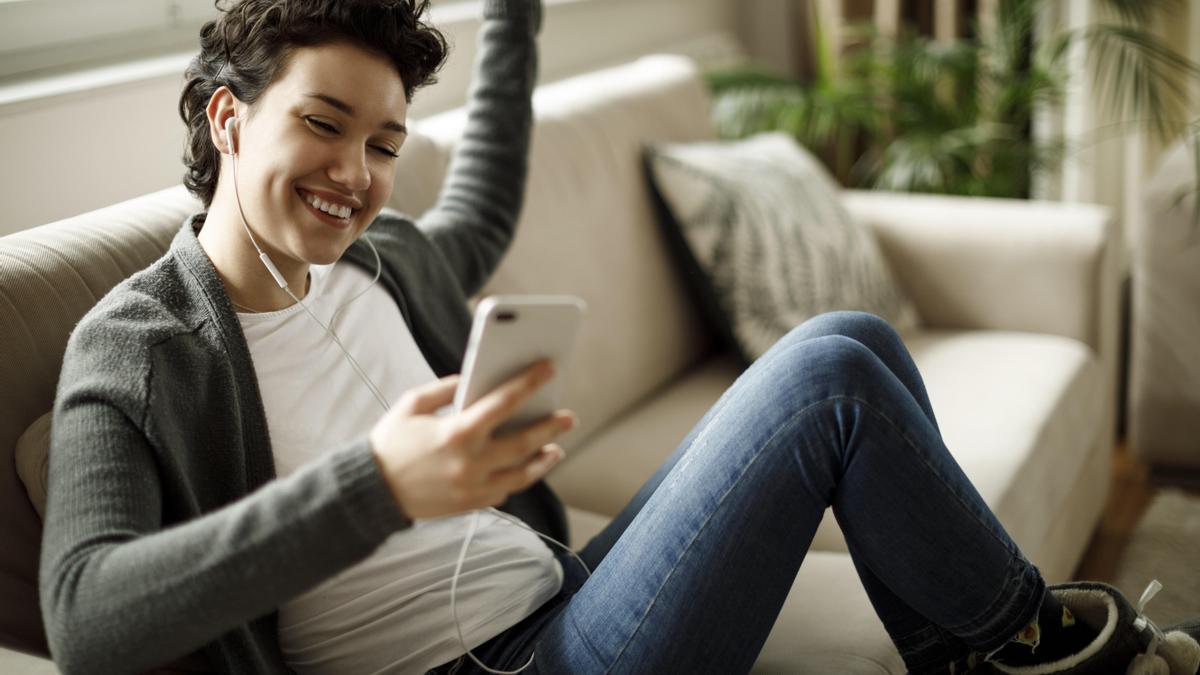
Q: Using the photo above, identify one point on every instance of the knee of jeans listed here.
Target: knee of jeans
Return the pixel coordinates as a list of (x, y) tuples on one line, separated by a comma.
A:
[(851, 323), (829, 359)]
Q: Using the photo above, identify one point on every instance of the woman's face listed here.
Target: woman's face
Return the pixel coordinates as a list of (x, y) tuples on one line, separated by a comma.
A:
[(327, 128)]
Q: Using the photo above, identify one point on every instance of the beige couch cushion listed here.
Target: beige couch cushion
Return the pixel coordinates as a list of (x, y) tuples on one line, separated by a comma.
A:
[(827, 625)]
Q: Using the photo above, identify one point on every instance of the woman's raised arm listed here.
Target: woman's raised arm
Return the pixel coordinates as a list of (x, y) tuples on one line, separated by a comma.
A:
[(476, 213)]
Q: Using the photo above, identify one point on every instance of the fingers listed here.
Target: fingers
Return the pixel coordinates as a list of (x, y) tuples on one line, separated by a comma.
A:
[(501, 403), (522, 476), (515, 448), (513, 462), (427, 398)]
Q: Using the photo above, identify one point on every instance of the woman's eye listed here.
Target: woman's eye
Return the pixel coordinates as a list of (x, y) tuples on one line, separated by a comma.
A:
[(333, 130), (321, 125)]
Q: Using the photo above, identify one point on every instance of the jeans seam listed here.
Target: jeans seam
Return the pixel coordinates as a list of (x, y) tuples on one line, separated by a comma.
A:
[(1014, 555), (912, 448), (918, 642), (1034, 603), (766, 444), (787, 426), (599, 658)]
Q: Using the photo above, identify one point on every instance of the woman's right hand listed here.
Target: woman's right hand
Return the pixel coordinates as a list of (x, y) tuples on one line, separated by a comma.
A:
[(443, 465)]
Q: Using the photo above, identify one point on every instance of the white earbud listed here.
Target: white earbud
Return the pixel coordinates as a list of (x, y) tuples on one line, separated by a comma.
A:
[(229, 135)]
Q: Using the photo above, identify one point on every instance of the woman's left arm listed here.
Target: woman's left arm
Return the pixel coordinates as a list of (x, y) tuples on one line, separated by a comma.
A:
[(477, 210)]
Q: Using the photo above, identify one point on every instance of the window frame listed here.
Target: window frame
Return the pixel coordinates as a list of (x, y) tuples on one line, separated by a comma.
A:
[(44, 36), (49, 37)]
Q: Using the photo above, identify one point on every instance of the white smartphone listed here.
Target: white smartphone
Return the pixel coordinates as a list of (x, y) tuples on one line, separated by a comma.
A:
[(511, 333)]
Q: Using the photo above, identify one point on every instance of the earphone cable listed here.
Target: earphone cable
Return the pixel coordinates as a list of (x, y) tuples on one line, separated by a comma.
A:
[(283, 284), (383, 403), (462, 555), (378, 270)]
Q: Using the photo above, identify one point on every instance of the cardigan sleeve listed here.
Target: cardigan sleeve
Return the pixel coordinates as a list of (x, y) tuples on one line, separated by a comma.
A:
[(473, 222), (122, 589)]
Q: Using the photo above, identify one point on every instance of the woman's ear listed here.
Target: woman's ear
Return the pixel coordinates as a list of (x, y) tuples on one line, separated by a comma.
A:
[(222, 107)]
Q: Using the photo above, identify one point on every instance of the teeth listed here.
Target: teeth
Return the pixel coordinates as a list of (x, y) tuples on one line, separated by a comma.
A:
[(331, 209)]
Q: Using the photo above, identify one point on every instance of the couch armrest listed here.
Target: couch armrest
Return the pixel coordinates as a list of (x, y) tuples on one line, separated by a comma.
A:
[(1003, 264)]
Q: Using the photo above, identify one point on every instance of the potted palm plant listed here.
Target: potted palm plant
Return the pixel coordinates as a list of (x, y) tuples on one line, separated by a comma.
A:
[(912, 114)]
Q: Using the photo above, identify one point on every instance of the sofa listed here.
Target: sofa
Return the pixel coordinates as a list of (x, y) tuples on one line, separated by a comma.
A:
[(1017, 340)]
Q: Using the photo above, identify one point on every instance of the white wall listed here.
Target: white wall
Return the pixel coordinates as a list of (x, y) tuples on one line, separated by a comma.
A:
[(768, 30), (90, 146)]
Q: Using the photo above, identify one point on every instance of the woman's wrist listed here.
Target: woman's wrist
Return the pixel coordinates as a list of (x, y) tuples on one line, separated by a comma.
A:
[(384, 476)]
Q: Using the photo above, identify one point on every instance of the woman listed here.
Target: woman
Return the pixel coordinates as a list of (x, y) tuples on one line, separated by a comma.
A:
[(225, 481)]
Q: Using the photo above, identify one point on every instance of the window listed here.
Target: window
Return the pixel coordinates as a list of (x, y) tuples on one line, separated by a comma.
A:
[(43, 35)]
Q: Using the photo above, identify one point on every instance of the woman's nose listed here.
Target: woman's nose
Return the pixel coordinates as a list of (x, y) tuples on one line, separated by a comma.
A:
[(350, 169)]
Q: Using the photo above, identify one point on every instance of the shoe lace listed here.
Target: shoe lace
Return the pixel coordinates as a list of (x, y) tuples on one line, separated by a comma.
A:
[(1143, 623)]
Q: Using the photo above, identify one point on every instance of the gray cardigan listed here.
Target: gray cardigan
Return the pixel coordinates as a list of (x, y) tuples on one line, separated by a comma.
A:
[(167, 532)]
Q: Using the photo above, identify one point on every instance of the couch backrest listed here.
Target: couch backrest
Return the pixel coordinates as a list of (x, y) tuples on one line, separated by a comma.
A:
[(50, 277), (588, 228)]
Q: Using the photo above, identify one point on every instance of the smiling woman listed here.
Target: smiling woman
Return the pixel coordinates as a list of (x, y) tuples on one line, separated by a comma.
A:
[(312, 169), (317, 94), (227, 452), (246, 55)]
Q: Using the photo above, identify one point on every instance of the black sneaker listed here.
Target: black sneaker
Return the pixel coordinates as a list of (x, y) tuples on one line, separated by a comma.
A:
[(1127, 643)]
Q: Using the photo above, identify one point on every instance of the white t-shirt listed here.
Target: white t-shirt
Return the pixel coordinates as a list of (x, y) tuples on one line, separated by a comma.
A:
[(391, 611)]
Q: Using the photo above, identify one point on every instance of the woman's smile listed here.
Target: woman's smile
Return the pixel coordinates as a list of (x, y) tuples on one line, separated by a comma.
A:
[(334, 217)]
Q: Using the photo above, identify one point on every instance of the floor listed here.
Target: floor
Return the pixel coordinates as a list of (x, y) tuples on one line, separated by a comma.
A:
[(1133, 487)]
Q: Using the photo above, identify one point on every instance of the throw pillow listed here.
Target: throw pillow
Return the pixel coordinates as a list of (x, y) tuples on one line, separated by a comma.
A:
[(763, 235), (32, 459)]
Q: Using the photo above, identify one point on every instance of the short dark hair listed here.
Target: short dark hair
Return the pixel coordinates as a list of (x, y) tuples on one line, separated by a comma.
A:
[(248, 46)]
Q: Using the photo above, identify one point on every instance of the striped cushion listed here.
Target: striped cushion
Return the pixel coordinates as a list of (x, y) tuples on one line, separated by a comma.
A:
[(761, 225)]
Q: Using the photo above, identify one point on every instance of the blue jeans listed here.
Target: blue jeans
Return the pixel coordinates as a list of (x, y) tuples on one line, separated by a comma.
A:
[(691, 575)]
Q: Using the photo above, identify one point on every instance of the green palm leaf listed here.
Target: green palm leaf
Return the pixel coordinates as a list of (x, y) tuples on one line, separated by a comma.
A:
[(1139, 76), (1139, 12)]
